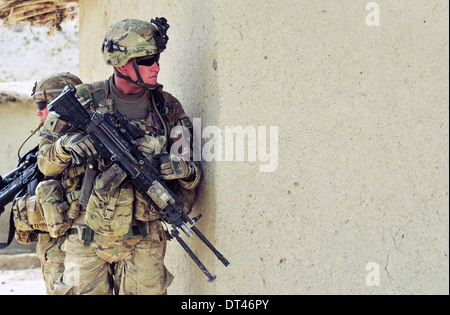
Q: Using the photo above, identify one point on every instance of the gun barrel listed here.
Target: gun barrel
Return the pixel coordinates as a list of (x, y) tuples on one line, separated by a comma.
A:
[(187, 230)]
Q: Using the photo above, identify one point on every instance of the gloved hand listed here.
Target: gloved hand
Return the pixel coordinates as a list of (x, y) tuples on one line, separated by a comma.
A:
[(150, 146), (80, 146), (172, 167)]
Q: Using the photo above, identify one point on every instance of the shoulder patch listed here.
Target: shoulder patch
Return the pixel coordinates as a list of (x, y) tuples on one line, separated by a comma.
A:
[(55, 126)]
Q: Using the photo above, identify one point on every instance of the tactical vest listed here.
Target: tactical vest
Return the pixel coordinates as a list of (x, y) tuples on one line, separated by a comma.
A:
[(114, 203)]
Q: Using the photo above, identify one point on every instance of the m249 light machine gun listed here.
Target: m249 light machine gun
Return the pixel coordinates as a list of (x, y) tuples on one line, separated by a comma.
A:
[(114, 138)]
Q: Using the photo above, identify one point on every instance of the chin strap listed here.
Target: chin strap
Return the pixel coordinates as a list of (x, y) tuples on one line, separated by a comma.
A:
[(139, 81)]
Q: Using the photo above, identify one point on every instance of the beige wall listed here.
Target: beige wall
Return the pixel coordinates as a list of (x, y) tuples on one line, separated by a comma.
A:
[(17, 119), (362, 116)]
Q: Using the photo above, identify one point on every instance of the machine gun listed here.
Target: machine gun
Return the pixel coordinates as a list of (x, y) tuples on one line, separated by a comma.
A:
[(24, 178), (114, 138)]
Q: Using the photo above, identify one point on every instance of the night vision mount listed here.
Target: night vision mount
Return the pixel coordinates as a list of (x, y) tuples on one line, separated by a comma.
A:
[(160, 35)]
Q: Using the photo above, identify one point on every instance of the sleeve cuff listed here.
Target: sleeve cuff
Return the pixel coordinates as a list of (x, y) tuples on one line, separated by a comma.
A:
[(60, 152), (194, 180)]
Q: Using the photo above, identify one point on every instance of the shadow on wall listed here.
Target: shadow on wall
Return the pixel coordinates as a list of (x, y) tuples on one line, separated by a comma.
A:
[(199, 96)]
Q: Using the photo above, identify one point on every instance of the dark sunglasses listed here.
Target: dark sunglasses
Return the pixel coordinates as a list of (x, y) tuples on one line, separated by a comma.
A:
[(148, 60), (41, 105)]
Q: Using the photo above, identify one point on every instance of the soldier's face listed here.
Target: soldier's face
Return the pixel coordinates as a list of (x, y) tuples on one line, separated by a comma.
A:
[(149, 74), (42, 112)]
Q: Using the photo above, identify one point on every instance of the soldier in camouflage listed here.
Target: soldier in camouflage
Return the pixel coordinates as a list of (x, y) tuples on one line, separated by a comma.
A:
[(47, 89), (105, 251), (29, 212)]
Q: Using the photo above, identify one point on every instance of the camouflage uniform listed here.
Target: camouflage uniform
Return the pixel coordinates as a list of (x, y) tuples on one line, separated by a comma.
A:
[(30, 212), (105, 252)]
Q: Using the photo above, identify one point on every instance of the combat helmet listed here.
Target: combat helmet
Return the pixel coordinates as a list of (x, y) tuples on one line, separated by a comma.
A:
[(131, 39), (51, 86)]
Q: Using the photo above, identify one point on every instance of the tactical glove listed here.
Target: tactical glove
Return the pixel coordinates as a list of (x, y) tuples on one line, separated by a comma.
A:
[(172, 167), (80, 146), (150, 146)]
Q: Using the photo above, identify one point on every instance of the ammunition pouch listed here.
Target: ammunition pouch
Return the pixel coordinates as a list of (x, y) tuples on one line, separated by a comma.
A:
[(72, 177), (26, 237), (28, 219), (51, 199), (144, 210), (28, 215), (110, 208)]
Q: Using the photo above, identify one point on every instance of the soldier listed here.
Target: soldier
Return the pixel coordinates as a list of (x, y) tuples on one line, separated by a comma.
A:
[(105, 251), (34, 226), (49, 88)]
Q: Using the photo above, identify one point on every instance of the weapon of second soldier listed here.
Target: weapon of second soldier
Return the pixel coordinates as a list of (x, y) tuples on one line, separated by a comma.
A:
[(24, 178), (114, 138), (26, 174)]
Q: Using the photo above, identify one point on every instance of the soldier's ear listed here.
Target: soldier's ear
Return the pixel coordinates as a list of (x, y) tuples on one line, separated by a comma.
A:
[(122, 70)]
